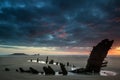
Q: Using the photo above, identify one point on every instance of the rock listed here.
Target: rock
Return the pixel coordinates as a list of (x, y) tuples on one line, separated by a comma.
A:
[(7, 69)]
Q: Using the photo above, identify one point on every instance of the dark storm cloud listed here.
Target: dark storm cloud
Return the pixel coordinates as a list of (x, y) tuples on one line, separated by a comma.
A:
[(58, 22)]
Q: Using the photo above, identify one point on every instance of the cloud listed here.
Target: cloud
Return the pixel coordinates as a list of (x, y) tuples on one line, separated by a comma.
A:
[(58, 22)]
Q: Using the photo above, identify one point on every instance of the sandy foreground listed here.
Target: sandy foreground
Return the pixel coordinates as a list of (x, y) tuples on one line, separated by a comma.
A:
[(14, 62)]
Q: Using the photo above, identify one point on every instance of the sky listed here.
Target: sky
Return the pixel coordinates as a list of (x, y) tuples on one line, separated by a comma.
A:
[(58, 26)]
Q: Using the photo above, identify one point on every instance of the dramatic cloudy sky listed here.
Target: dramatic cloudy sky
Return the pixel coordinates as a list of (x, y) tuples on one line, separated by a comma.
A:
[(58, 26)]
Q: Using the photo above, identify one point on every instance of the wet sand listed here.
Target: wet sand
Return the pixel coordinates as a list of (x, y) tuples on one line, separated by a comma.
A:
[(14, 62)]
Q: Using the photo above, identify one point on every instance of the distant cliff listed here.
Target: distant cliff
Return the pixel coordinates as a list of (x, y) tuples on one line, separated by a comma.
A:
[(21, 54)]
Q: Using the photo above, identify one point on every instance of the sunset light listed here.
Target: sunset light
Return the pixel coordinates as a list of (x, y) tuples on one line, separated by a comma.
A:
[(114, 51), (59, 39), (118, 48)]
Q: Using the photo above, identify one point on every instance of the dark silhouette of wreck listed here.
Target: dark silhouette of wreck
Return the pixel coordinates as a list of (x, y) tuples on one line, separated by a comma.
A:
[(48, 70), (46, 59), (96, 58), (7, 69), (31, 70), (51, 61), (64, 71)]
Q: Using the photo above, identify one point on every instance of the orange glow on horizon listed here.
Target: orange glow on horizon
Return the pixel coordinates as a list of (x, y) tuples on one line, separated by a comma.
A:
[(54, 50), (115, 51)]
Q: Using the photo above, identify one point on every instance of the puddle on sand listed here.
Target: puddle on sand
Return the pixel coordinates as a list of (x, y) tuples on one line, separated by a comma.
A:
[(74, 68), (69, 73), (102, 72), (57, 74), (107, 73), (35, 61), (42, 62)]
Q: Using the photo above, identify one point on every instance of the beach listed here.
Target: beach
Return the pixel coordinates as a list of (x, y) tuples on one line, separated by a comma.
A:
[(14, 62)]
